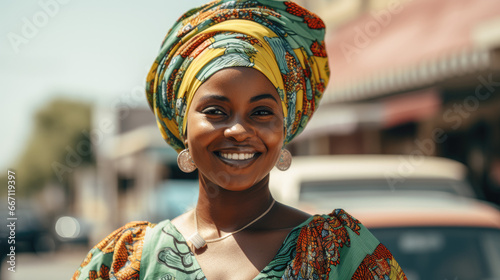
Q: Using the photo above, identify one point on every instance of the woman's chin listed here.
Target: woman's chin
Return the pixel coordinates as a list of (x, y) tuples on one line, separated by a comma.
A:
[(238, 185), (236, 182)]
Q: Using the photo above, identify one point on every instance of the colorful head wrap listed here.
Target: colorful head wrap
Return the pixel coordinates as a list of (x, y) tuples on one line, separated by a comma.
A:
[(279, 38)]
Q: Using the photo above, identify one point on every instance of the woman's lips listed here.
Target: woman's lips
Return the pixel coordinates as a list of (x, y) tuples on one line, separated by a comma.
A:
[(237, 159), (237, 156)]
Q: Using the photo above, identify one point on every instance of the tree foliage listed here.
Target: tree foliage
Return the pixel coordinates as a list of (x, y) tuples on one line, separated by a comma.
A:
[(57, 131)]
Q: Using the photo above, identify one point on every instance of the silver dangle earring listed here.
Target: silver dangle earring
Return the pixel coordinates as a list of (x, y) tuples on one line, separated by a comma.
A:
[(185, 161), (285, 160)]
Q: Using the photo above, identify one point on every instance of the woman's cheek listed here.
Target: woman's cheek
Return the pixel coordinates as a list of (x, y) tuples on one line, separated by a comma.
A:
[(274, 132), (201, 126)]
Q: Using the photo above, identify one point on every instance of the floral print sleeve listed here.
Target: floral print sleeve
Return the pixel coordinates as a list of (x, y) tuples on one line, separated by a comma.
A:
[(337, 246), (118, 256)]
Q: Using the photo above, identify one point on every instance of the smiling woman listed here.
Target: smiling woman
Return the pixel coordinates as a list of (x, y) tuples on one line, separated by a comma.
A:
[(234, 82), (235, 125)]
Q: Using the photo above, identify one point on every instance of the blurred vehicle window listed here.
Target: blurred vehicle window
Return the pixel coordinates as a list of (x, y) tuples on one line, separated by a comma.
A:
[(310, 189), (436, 253), (173, 198)]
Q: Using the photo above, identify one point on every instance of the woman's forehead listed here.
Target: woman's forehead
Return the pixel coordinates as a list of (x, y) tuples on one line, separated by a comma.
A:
[(237, 82)]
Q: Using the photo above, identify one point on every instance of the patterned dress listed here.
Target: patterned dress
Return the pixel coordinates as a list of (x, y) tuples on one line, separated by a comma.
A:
[(334, 246)]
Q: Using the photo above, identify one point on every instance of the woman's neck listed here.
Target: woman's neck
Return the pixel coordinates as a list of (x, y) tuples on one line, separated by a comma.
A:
[(226, 211)]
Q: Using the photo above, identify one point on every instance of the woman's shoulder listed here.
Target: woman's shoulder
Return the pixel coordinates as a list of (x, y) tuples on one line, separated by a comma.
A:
[(330, 233), (338, 246), (118, 254), (336, 220), (130, 232)]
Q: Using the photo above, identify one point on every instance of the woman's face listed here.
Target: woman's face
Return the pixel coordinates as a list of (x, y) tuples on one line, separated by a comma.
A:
[(235, 128)]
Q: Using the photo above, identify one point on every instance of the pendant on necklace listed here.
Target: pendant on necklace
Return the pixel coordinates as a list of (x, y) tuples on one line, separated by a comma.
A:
[(197, 241)]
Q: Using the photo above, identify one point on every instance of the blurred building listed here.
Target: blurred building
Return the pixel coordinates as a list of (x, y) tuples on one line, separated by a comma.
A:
[(133, 169), (417, 77)]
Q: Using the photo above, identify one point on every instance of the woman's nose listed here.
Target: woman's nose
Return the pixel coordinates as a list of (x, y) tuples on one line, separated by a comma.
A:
[(239, 131)]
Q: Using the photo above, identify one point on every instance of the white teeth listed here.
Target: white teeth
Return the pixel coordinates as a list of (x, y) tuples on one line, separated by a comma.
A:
[(236, 156)]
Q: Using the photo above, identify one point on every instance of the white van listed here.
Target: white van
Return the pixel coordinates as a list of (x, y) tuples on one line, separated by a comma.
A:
[(319, 178)]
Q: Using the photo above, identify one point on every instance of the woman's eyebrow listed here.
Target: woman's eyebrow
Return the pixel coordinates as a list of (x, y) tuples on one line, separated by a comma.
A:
[(214, 96), (263, 96)]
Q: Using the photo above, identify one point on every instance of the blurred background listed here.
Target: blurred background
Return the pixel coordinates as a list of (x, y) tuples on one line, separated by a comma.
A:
[(411, 120)]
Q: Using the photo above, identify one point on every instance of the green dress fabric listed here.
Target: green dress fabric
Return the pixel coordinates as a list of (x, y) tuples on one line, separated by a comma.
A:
[(334, 246)]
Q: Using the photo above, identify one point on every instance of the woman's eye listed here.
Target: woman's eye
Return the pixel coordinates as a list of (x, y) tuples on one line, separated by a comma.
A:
[(213, 111), (263, 112)]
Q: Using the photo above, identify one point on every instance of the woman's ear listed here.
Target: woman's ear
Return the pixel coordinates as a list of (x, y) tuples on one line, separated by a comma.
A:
[(186, 143)]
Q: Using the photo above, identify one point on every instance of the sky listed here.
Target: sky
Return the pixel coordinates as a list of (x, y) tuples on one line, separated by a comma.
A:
[(94, 51)]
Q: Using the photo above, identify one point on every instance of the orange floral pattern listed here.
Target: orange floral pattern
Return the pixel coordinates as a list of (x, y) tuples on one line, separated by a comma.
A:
[(319, 250), (318, 245), (310, 19), (103, 273), (379, 265), (318, 49), (124, 247)]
